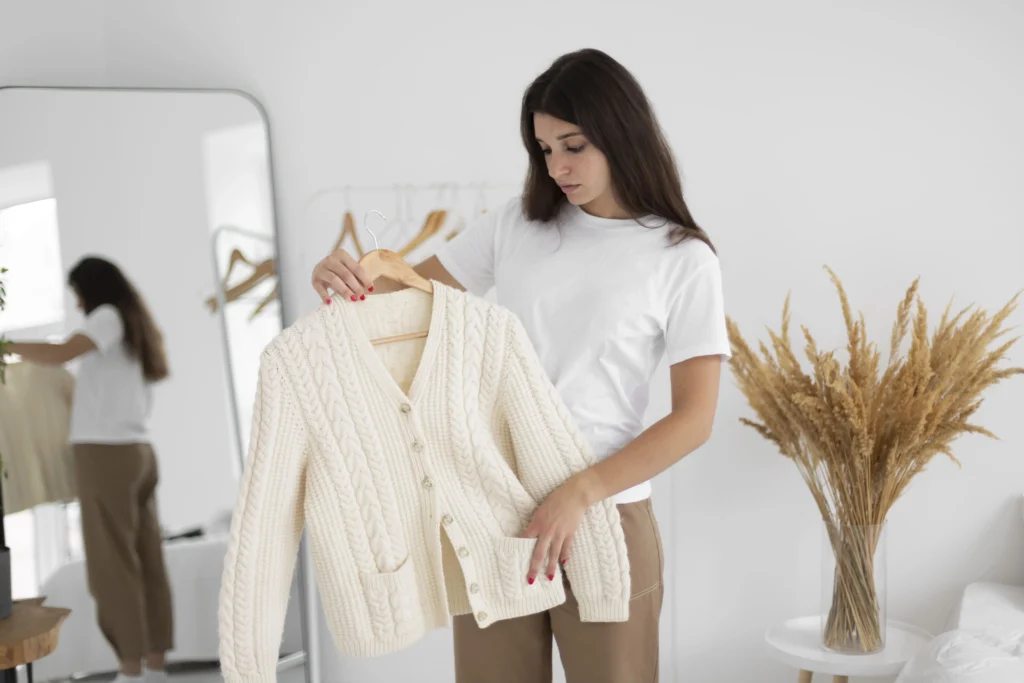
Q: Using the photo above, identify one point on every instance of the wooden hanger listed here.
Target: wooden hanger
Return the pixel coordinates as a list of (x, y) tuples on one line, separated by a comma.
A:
[(270, 298), (457, 227), (348, 229), (260, 273), (234, 258), (431, 226), (385, 263), (435, 220)]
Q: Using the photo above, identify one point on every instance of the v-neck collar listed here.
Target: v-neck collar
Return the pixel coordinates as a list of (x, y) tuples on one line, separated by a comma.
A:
[(363, 345)]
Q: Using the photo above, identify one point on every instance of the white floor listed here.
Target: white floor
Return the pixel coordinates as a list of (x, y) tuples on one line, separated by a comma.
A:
[(296, 675), (293, 675)]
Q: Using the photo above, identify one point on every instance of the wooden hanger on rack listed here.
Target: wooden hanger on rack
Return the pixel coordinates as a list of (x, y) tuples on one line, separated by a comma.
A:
[(431, 226), (260, 273), (435, 220), (385, 263), (270, 298), (457, 226), (233, 259), (348, 229), (236, 256)]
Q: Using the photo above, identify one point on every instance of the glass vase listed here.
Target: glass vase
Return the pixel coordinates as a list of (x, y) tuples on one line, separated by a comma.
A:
[(853, 588)]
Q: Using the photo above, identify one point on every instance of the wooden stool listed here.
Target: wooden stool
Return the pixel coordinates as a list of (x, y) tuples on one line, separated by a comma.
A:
[(30, 633)]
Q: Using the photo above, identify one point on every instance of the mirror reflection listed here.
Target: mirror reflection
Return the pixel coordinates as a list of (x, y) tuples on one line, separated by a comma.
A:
[(137, 230)]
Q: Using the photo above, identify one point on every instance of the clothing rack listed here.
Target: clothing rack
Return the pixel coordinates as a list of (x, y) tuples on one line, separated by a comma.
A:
[(393, 195), (481, 187), (406, 205)]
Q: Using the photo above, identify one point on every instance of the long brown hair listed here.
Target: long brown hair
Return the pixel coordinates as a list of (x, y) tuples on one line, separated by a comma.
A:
[(591, 90), (98, 281)]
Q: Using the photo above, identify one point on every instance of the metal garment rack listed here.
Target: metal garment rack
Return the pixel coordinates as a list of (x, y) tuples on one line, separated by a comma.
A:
[(309, 655), (398, 201), (407, 188), (403, 192)]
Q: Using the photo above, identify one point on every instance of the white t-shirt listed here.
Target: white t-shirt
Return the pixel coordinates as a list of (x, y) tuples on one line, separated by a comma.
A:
[(112, 398), (603, 301)]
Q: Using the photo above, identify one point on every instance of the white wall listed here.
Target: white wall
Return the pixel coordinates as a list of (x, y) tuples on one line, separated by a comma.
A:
[(128, 177), (880, 138)]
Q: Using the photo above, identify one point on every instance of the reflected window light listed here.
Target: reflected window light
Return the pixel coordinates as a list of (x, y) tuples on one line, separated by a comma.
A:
[(20, 530), (30, 250)]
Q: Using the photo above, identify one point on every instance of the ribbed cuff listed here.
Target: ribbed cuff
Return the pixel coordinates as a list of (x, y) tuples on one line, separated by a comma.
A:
[(596, 609)]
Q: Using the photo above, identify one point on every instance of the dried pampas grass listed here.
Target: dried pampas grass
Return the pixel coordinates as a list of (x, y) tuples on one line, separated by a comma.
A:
[(859, 433)]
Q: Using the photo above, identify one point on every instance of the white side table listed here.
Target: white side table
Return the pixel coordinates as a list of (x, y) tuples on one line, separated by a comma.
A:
[(798, 643)]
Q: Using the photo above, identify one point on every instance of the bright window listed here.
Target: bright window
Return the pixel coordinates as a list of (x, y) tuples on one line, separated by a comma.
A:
[(30, 250), (21, 539)]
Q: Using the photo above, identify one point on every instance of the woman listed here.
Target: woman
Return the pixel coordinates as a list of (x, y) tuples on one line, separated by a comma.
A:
[(603, 263), (122, 354)]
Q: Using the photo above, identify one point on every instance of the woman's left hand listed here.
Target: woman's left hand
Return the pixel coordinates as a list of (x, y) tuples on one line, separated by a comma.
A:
[(554, 524)]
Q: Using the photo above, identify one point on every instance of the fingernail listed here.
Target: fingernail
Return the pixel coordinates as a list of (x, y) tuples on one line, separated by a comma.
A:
[(353, 297), (370, 288), (328, 302), (530, 580), (564, 561), (362, 297), (551, 577)]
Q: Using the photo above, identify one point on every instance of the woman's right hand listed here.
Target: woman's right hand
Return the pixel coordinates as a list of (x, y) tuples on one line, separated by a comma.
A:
[(341, 273)]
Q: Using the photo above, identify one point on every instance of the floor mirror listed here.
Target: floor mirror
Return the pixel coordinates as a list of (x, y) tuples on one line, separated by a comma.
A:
[(174, 187)]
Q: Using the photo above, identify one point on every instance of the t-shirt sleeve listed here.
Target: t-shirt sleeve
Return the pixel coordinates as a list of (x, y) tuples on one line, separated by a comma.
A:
[(104, 327), (471, 255), (695, 323)]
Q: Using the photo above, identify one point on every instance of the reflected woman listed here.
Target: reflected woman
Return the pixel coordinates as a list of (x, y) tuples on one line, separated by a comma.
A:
[(121, 355)]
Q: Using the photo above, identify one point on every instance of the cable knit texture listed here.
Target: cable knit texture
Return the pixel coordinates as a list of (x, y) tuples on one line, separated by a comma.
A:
[(377, 474)]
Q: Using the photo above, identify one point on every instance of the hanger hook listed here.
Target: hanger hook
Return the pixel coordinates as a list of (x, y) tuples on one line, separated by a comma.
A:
[(366, 224)]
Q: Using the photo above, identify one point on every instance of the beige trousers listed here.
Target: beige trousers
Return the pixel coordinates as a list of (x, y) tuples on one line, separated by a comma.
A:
[(519, 650), (123, 547)]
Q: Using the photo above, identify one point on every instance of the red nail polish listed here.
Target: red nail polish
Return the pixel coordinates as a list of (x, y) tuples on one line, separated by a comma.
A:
[(564, 561), (370, 288), (362, 297), (530, 581), (328, 302), (551, 577), (353, 297)]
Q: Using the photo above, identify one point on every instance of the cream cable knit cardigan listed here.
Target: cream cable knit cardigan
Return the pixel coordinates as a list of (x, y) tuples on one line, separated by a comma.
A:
[(376, 476)]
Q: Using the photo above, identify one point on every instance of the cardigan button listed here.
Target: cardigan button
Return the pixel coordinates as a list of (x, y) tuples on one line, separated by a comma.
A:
[(428, 483), (481, 616), (474, 588), (463, 552), (417, 445), (406, 408), (447, 520)]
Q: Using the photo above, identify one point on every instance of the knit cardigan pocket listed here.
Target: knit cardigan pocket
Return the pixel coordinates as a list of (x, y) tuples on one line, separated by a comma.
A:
[(381, 606), (393, 602)]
